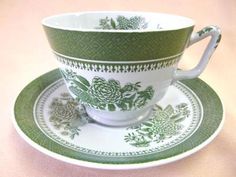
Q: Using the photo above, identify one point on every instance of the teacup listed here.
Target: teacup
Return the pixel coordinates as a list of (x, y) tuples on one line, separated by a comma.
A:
[(120, 64)]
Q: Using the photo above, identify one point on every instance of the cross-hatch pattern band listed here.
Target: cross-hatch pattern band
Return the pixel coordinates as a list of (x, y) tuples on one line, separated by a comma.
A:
[(118, 46)]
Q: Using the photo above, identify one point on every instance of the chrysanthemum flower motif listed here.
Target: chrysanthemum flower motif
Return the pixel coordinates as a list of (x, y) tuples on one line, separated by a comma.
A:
[(107, 92)]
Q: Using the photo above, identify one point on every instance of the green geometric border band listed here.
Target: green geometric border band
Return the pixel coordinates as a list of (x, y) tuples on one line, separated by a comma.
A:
[(119, 46), (118, 67)]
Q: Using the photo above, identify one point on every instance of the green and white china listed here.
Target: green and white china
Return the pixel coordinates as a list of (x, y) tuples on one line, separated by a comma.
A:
[(186, 119), (119, 64)]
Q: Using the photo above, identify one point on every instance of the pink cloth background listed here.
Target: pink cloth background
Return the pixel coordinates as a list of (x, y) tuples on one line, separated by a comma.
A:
[(25, 54)]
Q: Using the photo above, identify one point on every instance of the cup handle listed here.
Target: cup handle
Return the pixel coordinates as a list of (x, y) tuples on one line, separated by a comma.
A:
[(215, 34)]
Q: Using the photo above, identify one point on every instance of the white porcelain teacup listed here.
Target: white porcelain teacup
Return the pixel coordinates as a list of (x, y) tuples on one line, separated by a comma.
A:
[(120, 64)]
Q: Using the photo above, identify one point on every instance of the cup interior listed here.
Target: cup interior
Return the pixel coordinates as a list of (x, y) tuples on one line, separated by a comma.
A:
[(117, 21)]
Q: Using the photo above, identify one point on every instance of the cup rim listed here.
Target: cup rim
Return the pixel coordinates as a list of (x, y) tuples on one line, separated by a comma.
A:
[(45, 22)]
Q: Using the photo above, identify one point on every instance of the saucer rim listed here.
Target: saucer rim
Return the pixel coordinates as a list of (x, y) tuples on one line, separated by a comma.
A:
[(116, 166)]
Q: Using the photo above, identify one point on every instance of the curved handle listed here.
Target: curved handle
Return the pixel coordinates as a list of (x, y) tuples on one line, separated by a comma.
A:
[(215, 34)]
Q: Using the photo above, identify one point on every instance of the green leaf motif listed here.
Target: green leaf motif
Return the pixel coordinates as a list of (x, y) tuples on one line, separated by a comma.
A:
[(83, 81), (163, 124), (85, 97), (113, 23), (111, 107), (123, 106), (218, 41), (80, 85), (140, 101), (204, 31)]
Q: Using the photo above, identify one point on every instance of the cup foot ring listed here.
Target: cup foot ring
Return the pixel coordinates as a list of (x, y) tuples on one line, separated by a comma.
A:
[(118, 123)]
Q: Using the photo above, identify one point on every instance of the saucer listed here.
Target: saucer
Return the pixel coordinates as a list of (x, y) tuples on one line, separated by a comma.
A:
[(188, 118)]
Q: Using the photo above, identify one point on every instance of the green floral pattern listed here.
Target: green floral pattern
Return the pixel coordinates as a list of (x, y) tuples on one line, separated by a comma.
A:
[(207, 30), (65, 117), (204, 31), (163, 124), (68, 115), (107, 94), (123, 23)]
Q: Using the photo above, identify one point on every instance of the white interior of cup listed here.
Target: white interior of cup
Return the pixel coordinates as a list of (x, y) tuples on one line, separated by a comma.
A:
[(117, 21)]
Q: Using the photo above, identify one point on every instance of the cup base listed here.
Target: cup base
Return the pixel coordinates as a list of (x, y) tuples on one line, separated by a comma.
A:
[(120, 119)]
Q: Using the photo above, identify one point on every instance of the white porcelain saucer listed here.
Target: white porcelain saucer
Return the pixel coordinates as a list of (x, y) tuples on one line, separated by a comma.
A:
[(184, 121)]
